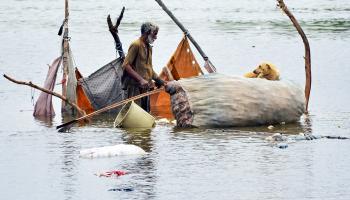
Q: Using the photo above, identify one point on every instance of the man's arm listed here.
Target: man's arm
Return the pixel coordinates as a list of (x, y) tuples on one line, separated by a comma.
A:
[(128, 69)]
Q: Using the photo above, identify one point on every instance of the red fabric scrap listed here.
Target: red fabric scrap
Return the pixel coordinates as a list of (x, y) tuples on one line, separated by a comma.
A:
[(111, 173)]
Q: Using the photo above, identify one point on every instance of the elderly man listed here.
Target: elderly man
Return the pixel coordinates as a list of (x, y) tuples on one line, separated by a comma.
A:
[(138, 65)]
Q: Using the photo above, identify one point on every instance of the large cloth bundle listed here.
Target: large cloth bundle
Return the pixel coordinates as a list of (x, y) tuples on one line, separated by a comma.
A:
[(217, 100)]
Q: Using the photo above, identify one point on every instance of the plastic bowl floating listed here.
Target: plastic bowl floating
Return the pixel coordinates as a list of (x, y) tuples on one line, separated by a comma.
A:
[(133, 116)]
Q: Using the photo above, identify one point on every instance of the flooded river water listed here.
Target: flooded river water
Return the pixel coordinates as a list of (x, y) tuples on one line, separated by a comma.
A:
[(37, 162)]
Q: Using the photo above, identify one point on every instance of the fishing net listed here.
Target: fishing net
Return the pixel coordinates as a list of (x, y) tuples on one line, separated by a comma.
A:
[(182, 64), (216, 100), (104, 87)]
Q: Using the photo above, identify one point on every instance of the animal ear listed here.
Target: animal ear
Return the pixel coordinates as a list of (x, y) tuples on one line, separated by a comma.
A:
[(268, 66)]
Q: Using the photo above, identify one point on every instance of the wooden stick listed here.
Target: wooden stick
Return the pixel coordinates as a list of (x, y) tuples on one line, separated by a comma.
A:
[(168, 73), (110, 107), (307, 51), (81, 112), (65, 54), (120, 18), (177, 22), (66, 9), (114, 32)]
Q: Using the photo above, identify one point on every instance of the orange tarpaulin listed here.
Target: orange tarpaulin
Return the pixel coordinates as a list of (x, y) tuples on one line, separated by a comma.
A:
[(82, 100), (182, 64)]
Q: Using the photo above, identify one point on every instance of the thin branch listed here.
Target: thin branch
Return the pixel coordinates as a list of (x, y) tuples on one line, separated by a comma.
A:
[(114, 105), (30, 84), (120, 17), (114, 31), (307, 51)]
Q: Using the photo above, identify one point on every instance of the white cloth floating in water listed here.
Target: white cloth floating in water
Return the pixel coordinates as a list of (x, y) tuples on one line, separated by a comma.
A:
[(109, 151)]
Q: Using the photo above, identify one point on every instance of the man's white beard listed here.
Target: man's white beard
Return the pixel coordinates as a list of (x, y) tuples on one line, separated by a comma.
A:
[(150, 39)]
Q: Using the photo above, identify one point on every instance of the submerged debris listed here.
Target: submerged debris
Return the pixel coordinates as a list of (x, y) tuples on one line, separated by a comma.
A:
[(126, 189), (280, 140), (337, 137), (277, 137), (111, 173), (282, 145)]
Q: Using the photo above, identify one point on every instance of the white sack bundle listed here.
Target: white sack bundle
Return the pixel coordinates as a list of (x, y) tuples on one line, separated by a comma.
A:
[(109, 151), (216, 100)]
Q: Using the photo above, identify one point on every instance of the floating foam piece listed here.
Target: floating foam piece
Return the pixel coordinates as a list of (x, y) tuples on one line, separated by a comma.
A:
[(109, 151), (163, 121)]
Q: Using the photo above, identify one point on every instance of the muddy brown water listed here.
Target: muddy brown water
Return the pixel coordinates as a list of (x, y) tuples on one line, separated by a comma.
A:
[(36, 162)]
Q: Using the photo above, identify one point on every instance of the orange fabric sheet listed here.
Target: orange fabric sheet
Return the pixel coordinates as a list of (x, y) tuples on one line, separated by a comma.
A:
[(82, 100), (182, 64)]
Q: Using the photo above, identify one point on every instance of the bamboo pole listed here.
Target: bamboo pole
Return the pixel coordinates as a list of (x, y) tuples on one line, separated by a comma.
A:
[(65, 52), (62, 126), (30, 84), (66, 8), (209, 66), (307, 51)]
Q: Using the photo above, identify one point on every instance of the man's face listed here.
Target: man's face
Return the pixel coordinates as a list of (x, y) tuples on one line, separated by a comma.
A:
[(152, 37)]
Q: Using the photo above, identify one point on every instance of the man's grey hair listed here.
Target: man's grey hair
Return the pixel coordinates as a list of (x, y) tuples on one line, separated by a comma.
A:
[(148, 27)]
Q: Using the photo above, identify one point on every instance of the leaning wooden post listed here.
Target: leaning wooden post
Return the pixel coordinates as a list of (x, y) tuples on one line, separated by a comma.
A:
[(65, 51), (30, 84), (114, 105), (210, 67), (307, 51)]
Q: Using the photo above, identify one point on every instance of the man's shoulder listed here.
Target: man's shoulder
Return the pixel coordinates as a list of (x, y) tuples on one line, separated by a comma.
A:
[(136, 42)]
